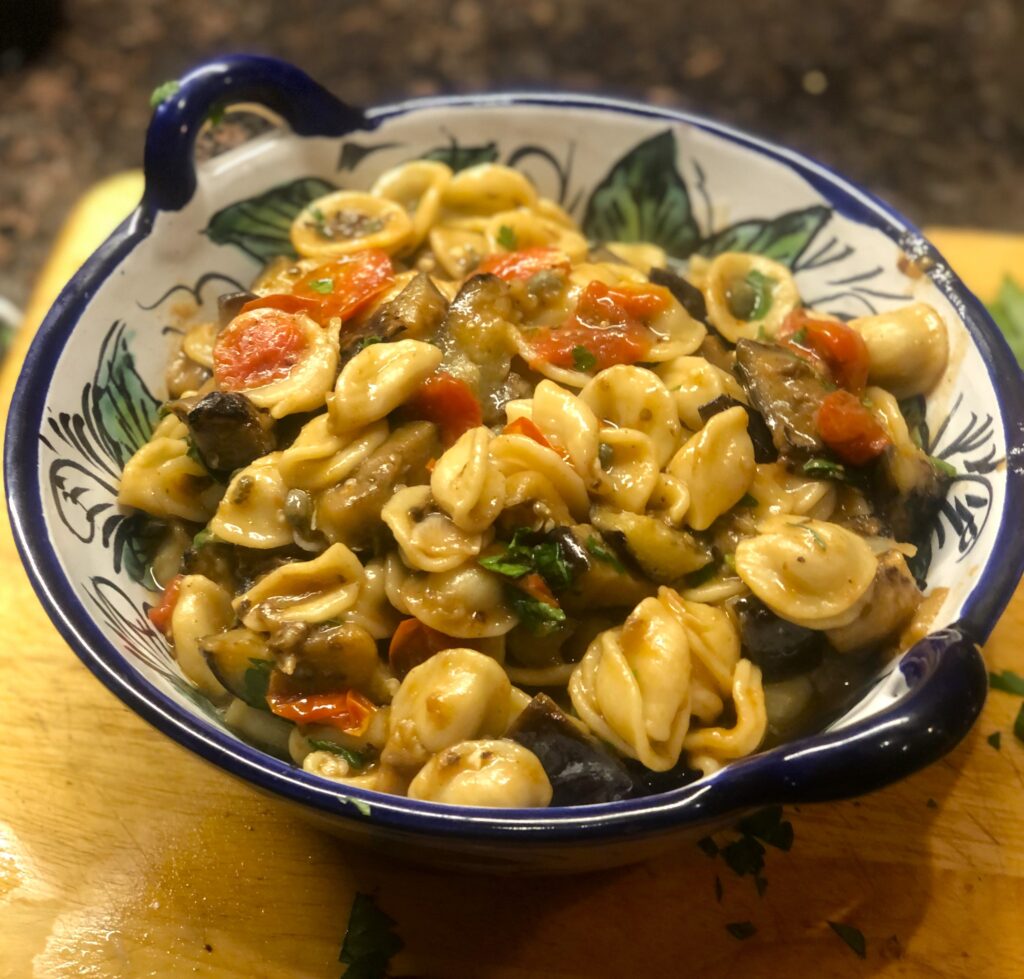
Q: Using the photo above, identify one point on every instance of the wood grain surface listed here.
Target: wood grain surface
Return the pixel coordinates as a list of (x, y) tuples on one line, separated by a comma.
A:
[(122, 855)]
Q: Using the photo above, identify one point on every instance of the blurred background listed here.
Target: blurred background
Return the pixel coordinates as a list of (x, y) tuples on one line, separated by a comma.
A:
[(919, 100)]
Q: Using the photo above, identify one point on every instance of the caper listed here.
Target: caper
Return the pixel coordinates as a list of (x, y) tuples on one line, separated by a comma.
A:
[(298, 507)]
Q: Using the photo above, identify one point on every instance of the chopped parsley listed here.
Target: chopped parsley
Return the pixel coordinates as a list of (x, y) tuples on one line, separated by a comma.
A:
[(761, 285), (800, 337), (995, 739), (741, 930), (362, 807), (603, 554), (499, 564), (701, 576), (354, 758), (256, 682), (824, 468), (1007, 681), (540, 618), (819, 541), (319, 219), (163, 92), (370, 940), (507, 238), (551, 564), (323, 286), (853, 937), (943, 467), (368, 342), (1018, 724), (583, 359), (204, 537)]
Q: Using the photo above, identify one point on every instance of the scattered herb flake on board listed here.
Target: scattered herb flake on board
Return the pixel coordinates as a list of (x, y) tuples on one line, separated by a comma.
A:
[(507, 238), (1018, 724), (744, 856), (718, 889), (994, 739), (932, 804), (163, 92), (741, 930), (323, 286), (370, 940), (853, 937), (1007, 681), (603, 554), (708, 847), (354, 758), (582, 359), (768, 825)]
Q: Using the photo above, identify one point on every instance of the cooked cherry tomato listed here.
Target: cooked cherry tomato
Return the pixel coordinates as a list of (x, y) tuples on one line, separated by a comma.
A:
[(256, 348), (536, 587), (283, 301), (413, 643), (840, 347), (606, 328), (344, 286), (523, 264), (448, 402), (344, 709), (160, 614), (525, 426), (850, 430)]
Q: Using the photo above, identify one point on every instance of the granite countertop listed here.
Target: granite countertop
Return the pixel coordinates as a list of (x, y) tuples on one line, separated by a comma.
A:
[(919, 101)]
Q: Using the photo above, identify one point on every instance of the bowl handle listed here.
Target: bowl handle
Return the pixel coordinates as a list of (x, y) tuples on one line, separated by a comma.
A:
[(948, 682), (169, 159)]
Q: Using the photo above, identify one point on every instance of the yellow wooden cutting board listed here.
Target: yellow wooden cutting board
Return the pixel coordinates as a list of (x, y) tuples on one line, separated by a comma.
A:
[(121, 855)]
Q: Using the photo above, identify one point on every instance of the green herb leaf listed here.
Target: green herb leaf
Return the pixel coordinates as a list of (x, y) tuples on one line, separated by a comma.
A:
[(1018, 724), (368, 342), (354, 758), (323, 286), (824, 469), (762, 285), (370, 940), (741, 930), (768, 825), (360, 806), (819, 541), (204, 537), (216, 115), (943, 467), (729, 560), (994, 739), (507, 238), (800, 337), (853, 937), (603, 554), (500, 564), (708, 847), (701, 576), (582, 359), (744, 856), (553, 567), (1008, 312), (747, 501), (163, 92), (539, 617), (1007, 681), (256, 682)]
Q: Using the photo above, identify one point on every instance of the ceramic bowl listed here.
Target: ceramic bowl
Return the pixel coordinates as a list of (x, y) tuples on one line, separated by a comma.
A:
[(91, 385)]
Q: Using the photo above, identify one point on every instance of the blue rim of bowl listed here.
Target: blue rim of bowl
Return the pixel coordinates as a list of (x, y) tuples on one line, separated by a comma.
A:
[(944, 672)]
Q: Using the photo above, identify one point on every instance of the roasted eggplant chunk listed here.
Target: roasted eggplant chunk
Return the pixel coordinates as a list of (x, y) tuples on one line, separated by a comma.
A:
[(227, 428)]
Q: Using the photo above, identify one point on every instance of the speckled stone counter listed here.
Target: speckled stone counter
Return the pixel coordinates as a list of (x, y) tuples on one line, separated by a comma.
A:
[(920, 101)]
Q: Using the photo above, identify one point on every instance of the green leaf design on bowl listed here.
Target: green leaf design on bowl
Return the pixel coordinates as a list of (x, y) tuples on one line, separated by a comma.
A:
[(260, 226), (460, 157), (644, 198), (783, 239)]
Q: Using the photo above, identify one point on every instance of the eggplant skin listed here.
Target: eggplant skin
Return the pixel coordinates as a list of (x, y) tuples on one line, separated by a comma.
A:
[(787, 392), (780, 648), (230, 305), (228, 430), (580, 771), (689, 296)]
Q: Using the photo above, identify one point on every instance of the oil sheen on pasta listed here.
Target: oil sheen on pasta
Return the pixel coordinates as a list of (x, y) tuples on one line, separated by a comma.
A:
[(461, 506)]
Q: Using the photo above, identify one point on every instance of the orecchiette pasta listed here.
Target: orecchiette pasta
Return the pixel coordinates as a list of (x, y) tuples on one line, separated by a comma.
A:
[(458, 465), (379, 379), (717, 467)]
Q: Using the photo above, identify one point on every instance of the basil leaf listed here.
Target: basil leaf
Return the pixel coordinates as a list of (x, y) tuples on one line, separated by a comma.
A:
[(370, 940), (499, 564), (354, 758), (539, 617), (583, 359), (824, 469), (553, 568), (163, 92), (853, 937), (1007, 681)]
